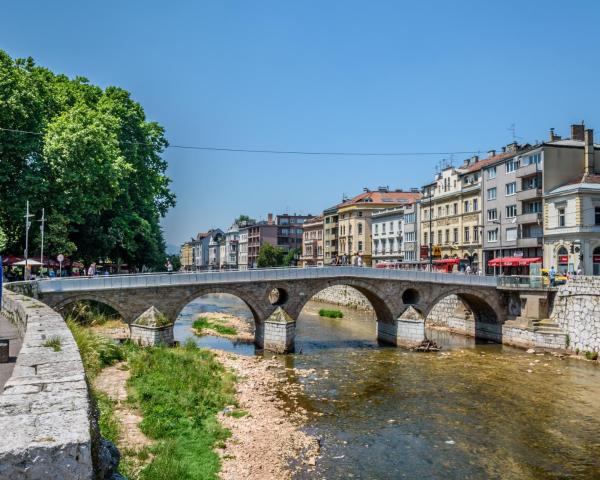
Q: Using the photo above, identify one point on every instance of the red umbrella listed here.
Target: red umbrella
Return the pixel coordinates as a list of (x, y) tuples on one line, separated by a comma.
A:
[(10, 259)]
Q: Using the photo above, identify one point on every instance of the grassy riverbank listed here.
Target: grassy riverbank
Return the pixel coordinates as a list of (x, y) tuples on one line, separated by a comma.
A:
[(203, 323), (178, 391), (330, 313)]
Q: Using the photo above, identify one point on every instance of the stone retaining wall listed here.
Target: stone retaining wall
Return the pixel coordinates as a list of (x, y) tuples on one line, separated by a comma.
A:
[(45, 409), (577, 312), (344, 296)]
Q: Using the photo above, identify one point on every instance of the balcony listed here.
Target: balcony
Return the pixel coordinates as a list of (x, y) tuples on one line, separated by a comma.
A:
[(530, 194), (529, 218), (529, 242), (528, 170)]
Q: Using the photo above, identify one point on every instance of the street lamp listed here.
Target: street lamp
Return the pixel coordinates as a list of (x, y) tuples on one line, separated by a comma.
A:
[(27, 225), (499, 223)]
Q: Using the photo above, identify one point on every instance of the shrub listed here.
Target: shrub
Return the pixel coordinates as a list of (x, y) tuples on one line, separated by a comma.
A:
[(591, 355), (330, 313)]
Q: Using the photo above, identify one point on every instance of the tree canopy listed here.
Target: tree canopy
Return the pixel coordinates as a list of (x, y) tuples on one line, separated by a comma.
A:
[(91, 159), (269, 256)]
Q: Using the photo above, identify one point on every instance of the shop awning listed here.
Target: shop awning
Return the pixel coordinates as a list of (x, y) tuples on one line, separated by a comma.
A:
[(513, 261), (447, 261)]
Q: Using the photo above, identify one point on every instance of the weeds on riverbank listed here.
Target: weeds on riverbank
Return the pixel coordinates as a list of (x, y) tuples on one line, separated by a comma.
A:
[(204, 323), (179, 392), (330, 313)]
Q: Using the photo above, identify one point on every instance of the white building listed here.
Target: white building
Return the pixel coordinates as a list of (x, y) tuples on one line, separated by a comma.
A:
[(410, 236), (232, 240), (243, 249), (386, 228)]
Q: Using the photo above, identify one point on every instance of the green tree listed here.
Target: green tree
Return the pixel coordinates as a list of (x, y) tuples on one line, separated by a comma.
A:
[(288, 259), (269, 256)]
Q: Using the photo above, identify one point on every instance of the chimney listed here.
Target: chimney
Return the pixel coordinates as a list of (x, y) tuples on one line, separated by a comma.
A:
[(577, 131), (491, 153), (512, 147), (270, 219), (589, 151), (474, 159)]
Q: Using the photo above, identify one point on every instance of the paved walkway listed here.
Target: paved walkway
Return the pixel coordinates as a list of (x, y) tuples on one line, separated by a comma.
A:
[(8, 330)]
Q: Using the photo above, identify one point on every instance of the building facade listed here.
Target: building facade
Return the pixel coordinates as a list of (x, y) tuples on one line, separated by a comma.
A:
[(289, 231), (259, 234), (410, 237), (330, 235), (243, 248), (232, 239), (186, 256), (312, 244), (354, 221), (386, 228)]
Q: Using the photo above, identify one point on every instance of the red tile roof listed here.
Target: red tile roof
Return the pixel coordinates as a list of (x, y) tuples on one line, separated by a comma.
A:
[(384, 198), (484, 163), (591, 178)]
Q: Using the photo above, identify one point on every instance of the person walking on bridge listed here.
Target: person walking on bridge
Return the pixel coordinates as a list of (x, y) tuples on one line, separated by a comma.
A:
[(552, 275)]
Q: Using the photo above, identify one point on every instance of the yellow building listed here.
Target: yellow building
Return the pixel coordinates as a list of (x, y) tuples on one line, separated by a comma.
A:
[(354, 221), (450, 215), (187, 257)]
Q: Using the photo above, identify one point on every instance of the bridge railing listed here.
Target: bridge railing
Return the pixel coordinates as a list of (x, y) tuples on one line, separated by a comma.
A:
[(255, 275)]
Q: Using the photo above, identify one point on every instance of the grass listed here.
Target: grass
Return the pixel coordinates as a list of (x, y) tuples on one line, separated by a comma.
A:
[(96, 351), (204, 323), (179, 392), (330, 313), (109, 425), (591, 355), (54, 343), (238, 413)]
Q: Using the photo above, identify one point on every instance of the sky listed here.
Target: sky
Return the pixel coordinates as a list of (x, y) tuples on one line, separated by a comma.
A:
[(333, 76)]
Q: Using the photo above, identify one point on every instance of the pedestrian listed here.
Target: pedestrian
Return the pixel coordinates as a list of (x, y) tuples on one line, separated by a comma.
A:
[(468, 270), (579, 271), (359, 261), (169, 266), (552, 275)]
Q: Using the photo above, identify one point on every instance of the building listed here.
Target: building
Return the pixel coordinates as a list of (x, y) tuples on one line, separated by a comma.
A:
[(312, 244), (572, 203), (354, 220), (200, 248), (243, 248), (450, 215), (386, 228), (232, 239), (289, 230), (410, 237), (222, 253), (186, 256), (260, 233), (214, 250), (330, 235)]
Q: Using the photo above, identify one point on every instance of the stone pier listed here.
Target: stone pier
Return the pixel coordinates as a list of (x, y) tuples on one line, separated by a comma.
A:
[(279, 332), (408, 331)]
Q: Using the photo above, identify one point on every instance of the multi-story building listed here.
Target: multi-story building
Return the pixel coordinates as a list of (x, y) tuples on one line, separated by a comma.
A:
[(232, 238), (330, 235), (260, 233), (243, 248), (214, 250), (289, 230), (450, 215), (186, 256), (354, 220), (410, 236), (386, 229), (312, 244), (572, 203), (200, 248)]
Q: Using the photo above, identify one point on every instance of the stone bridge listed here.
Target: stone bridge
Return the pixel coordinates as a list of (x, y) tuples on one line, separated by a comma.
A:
[(401, 299)]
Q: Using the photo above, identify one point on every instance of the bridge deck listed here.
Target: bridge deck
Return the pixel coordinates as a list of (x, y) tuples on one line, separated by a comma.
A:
[(255, 275)]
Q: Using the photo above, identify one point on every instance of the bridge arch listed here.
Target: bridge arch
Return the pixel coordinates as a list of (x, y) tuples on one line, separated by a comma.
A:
[(383, 305), (63, 305)]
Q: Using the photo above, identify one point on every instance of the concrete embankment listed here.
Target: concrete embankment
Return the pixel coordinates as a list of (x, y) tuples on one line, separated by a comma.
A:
[(45, 408)]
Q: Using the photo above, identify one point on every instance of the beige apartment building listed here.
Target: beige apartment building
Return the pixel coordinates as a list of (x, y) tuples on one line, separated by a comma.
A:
[(450, 215), (312, 242), (354, 221)]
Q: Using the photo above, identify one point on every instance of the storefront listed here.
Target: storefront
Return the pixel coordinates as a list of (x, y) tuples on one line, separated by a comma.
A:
[(562, 261), (596, 261), (513, 265)]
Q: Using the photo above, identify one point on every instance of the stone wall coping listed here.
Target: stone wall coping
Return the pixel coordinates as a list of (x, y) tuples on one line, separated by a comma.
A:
[(147, 327), (45, 407)]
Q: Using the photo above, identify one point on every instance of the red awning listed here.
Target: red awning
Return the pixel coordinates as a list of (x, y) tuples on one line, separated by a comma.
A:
[(447, 261), (513, 261)]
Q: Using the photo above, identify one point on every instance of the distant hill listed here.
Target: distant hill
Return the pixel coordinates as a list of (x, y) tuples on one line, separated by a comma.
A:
[(172, 249)]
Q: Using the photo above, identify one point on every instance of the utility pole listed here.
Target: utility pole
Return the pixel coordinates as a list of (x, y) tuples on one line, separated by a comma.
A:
[(42, 221), (430, 234), (27, 225)]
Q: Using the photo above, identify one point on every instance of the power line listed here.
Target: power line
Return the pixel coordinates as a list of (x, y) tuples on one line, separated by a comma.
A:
[(278, 152)]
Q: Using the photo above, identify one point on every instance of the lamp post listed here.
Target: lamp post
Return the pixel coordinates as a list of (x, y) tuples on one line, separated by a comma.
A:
[(42, 221), (27, 225), (499, 223), (430, 234)]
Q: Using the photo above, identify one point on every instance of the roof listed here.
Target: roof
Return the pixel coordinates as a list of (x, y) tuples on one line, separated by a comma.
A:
[(383, 198), (313, 221), (569, 142), (591, 181), (475, 167)]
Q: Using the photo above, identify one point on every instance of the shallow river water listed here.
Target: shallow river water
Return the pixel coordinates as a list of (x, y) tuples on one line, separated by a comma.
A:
[(472, 411)]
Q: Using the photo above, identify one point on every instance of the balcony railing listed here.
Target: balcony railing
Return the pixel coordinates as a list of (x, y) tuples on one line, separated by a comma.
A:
[(529, 194), (529, 242), (529, 218), (528, 170)]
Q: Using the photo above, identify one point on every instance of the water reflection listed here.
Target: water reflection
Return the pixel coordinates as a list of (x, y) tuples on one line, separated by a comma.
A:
[(470, 411)]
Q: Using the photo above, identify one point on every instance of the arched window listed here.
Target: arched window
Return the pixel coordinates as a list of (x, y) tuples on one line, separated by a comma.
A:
[(562, 260)]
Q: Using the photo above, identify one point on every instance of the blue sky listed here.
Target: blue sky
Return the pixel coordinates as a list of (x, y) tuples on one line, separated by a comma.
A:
[(382, 76)]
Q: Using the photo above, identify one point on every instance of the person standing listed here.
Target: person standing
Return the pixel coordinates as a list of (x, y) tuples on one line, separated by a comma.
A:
[(552, 275)]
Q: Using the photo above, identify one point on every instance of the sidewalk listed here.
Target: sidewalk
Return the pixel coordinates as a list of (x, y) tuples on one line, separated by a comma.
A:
[(7, 330)]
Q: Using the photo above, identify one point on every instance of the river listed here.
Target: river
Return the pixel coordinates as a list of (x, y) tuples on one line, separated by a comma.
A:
[(473, 411)]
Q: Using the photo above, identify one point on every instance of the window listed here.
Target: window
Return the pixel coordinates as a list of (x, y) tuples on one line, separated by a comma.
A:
[(376, 229), (360, 245), (492, 214), (439, 211), (491, 193), (475, 204), (597, 215), (383, 228), (561, 217), (492, 235), (360, 228), (455, 208), (350, 230), (391, 227), (491, 173), (511, 211), (532, 207), (476, 234), (466, 209), (409, 218), (447, 236), (530, 183), (425, 238), (535, 158), (511, 166), (410, 237), (511, 234), (447, 210), (360, 214), (439, 237), (466, 234), (511, 188), (455, 236)]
